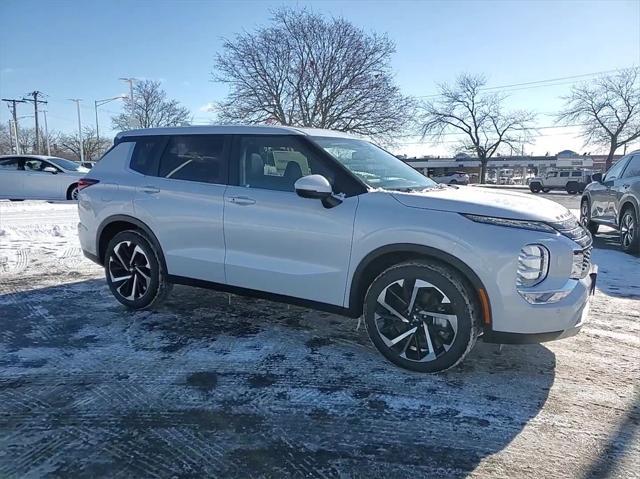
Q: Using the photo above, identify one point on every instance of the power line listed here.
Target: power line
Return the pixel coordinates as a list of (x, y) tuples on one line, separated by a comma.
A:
[(536, 82)]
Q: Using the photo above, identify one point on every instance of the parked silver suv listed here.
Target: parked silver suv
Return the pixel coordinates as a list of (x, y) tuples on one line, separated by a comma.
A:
[(326, 220), (614, 200)]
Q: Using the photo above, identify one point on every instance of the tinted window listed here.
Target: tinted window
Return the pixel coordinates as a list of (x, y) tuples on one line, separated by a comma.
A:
[(9, 164), (615, 170), (195, 158), (576, 173), (277, 162), (633, 169), (564, 174), (552, 175), (145, 155)]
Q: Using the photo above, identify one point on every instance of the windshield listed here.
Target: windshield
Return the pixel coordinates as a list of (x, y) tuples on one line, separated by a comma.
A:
[(373, 165), (67, 164)]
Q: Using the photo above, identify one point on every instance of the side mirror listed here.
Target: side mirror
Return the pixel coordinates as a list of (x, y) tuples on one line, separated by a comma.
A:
[(50, 169), (597, 177), (316, 187)]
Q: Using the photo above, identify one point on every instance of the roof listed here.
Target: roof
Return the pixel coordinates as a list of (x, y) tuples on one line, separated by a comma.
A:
[(234, 130), (33, 157)]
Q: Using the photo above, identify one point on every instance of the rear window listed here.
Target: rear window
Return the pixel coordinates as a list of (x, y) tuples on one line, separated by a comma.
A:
[(195, 158), (145, 155)]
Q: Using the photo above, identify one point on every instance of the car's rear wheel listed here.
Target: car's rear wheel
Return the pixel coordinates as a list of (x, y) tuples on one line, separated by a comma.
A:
[(135, 274), (535, 187), (629, 234), (422, 316), (585, 217)]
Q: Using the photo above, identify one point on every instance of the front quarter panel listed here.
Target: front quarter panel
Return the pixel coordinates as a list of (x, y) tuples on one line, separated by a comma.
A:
[(491, 252)]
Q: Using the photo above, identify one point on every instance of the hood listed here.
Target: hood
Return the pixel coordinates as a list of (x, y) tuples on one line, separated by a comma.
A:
[(484, 201)]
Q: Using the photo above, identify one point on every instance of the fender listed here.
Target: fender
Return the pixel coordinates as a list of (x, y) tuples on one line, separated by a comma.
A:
[(629, 198), (138, 224), (358, 288)]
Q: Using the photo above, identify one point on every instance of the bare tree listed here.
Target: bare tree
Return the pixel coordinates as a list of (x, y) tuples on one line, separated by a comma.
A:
[(7, 143), (93, 147), (608, 109), (308, 70), (487, 128), (150, 109)]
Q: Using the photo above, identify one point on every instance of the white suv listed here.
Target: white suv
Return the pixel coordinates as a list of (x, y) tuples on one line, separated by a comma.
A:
[(326, 220)]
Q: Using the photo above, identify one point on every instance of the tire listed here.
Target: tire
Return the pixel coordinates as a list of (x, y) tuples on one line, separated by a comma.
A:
[(453, 182), (389, 324), (535, 187), (72, 192), (131, 260), (585, 217), (629, 232)]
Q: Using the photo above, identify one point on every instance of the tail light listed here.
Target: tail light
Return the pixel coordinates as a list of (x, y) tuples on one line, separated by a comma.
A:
[(86, 182)]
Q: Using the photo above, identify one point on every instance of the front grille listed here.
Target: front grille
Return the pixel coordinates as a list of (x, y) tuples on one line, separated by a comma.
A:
[(586, 261), (569, 226)]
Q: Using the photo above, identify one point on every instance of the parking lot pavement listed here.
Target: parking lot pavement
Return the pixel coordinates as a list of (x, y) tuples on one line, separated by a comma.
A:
[(219, 385)]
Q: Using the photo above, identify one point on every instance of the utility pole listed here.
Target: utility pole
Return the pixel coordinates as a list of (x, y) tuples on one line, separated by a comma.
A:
[(130, 81), (14, 113), (46, 132), (77, 102), (35, 102), (11, 135)]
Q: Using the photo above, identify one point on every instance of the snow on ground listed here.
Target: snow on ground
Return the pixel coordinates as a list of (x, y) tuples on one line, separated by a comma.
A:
[(218, 385)]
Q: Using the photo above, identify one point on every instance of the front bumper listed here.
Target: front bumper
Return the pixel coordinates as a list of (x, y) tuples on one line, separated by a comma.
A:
[(580, 315)]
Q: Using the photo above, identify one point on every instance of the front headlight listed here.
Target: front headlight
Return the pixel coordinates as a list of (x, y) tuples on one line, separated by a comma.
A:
[(533, 265), (522, 224)]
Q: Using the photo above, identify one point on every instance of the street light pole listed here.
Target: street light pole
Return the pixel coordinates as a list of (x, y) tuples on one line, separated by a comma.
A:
[(98, 103), (77, 102), (130, 81)]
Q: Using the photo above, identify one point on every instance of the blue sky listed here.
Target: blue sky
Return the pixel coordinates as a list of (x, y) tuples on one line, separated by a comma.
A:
[(79, 49)]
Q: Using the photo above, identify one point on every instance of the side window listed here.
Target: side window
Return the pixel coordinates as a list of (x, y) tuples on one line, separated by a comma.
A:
[(277, 162), (564, 174), (553, 174), (34, 165), (9, 164), (576, 173), (195, 158), (146, 154), (633, 169), (615, 170)]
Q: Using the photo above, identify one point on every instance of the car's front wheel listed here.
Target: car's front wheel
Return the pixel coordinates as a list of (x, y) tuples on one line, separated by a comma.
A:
[(135, 274), (629, 234), (422, 316), (72, 192)]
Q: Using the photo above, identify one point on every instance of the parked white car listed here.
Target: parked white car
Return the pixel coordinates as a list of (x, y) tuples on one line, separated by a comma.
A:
[(35, 177), (458, 177), (322, 219)]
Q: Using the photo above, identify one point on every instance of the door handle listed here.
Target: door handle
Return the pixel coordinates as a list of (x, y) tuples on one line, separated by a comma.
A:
[(242, 200), (150, 190)]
